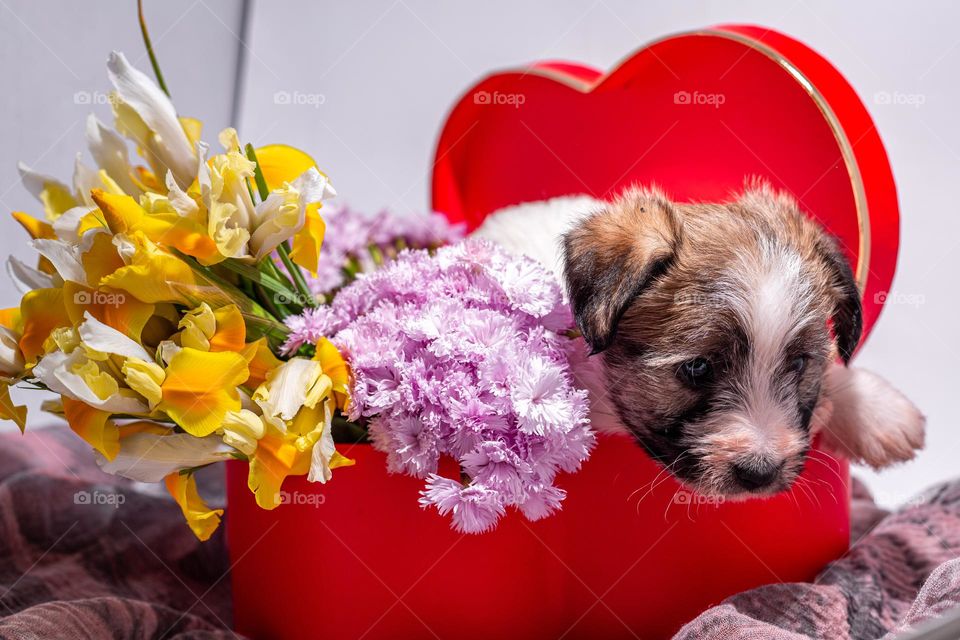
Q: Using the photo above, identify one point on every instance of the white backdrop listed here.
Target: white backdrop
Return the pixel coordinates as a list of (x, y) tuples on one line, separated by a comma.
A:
[(364, 87)]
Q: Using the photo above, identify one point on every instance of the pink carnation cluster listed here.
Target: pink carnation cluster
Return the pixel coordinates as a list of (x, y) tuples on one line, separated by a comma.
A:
[(464, 354)]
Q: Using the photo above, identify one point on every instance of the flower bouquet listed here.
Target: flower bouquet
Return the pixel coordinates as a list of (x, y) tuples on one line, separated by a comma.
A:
[(184, 314)]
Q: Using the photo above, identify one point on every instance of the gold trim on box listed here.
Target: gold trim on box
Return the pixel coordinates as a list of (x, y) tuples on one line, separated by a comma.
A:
[(846, 149)]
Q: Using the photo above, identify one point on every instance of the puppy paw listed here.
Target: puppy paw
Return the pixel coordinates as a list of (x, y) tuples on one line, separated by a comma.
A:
[(871, 421)]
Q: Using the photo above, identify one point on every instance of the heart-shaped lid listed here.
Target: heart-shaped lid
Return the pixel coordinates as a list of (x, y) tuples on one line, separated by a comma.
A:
[(697, 113)]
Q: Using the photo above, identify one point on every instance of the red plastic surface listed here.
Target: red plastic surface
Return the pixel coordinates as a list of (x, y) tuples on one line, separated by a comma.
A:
[(359, 558), (631, 554)]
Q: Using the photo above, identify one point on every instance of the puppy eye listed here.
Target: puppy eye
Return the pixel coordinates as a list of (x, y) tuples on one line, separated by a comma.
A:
[(695, 372), (798, 364)]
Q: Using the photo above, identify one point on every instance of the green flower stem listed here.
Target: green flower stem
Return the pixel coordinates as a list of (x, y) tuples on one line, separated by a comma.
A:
[(270, 278), (257, 172), (149, 47), (293, 294), (284, 252), (293, 271), (265, 298), (234, 294)]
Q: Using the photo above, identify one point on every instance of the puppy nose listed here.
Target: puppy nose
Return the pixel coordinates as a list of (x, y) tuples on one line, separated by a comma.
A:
[(752, 477)]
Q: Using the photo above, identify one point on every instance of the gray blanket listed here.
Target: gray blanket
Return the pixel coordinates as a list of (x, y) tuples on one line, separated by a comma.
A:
[(87, 555)]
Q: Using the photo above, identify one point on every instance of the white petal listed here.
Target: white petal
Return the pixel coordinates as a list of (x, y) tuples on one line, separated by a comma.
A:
[(64, 256), (27, 278), (179, 200), (313, 186), (279, 217), (54, 370), (36, 182), (109, 151), (68, 223), (149, 457), (167, 349), (203, 171), (323, 450), (153, 106), (287, 390), (106, 339), (11, 360), (85, 179)]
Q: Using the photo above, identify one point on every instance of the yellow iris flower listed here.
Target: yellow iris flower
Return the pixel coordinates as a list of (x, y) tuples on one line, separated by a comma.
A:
[(298, 400)]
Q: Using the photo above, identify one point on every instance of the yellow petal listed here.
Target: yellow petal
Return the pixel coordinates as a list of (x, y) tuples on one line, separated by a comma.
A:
[(36, 228), (116, 309), (123, 215), (307, 241), (197, 327), (56, 199), (231, 332), (101, 258), (11, 319), (146, 180), (193, 128), (276, 458), (242, 429), (281, 163), (260, 361), (308, 425), (200, 387), (145, 378), (94, 426), (202, 519), (42, 311), (334, 366), (337, 460), (10, 411), (153, 275)]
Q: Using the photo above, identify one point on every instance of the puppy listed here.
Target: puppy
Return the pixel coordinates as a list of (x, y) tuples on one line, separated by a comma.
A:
[(723, 333)]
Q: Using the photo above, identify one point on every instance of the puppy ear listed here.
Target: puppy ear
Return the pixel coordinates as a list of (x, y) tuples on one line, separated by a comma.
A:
[(847, 315), (612, 255)]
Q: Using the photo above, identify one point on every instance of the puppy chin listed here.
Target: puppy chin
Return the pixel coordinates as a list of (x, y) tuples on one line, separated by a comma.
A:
[(723, 485)]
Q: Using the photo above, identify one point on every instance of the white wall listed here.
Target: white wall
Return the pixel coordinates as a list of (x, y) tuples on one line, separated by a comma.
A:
[(375, 79), (53, 57)]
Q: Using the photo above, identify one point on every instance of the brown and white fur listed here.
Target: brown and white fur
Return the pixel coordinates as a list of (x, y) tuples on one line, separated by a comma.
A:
[(724, 331)]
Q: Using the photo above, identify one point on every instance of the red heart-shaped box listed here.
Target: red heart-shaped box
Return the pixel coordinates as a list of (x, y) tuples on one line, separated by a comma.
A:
[(632, 554)]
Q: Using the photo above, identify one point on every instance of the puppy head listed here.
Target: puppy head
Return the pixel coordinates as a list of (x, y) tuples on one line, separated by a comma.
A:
[(714, 323)]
